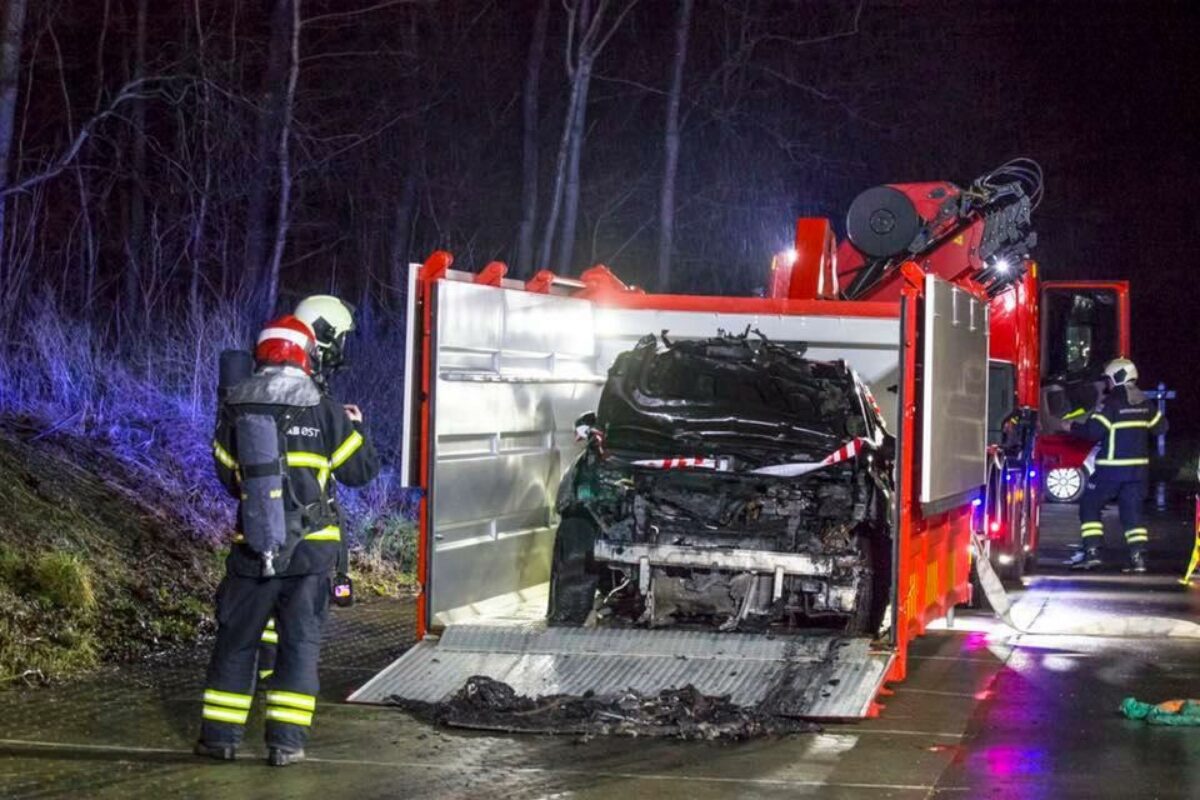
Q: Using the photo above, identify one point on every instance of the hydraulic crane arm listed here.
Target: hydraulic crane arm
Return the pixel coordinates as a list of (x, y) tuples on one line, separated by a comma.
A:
[(981, 234)]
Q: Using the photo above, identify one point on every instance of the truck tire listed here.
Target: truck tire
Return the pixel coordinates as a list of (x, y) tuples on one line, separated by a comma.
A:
[(573, 577), (1064, 484)]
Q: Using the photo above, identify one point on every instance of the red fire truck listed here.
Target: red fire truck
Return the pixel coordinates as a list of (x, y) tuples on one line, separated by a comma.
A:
[(931, 301)]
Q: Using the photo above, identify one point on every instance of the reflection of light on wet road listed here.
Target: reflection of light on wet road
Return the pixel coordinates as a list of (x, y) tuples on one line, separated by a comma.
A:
[(1007, 761), (1057, 663)]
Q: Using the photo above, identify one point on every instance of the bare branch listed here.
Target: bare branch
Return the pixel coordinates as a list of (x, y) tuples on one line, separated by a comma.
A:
[(127, 93), (355, 12)]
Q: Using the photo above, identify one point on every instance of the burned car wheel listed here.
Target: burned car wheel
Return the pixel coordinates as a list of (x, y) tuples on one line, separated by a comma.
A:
[(872, 597), (573, 579)]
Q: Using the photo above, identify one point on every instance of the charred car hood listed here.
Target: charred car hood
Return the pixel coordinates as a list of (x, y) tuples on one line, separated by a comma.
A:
[(738, 396)]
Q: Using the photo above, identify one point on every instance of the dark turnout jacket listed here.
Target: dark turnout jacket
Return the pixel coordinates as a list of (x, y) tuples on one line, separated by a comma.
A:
[(323, 448), (1122, 426)]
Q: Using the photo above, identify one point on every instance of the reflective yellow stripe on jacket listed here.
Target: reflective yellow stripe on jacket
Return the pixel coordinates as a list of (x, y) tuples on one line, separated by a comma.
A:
[(348, 448), (330, 533), (315, 461), (1113, 427), (223, 456)]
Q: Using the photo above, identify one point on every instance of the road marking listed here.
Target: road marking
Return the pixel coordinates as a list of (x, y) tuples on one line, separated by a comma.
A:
[(892, 732), (424, 766)]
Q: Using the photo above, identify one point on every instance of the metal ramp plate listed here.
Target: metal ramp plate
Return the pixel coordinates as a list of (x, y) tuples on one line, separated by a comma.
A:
[(811, 676)]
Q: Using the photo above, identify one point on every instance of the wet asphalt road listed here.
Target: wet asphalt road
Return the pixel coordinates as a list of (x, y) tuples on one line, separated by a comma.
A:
[(986, 712)]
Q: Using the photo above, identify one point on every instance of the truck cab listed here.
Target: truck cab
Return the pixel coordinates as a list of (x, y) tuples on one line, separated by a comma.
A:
[(1085, 325)]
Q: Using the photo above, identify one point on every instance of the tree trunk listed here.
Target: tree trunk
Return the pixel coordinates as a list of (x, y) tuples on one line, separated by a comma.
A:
[(402, 239), (10, 70), (666, 205), (578, 125), (132, 283), (283, 215), (560, 178), (529, 141), (266, 154), (200, 219)]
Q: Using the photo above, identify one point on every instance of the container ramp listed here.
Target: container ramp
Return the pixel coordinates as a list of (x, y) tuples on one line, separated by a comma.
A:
[(810, 676)]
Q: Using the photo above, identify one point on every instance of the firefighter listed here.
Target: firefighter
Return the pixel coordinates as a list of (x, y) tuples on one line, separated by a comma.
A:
[(331, 320), (278, 570), (1122, 427)]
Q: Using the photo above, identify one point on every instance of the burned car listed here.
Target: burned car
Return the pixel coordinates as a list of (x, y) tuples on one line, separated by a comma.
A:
[(727, 483)]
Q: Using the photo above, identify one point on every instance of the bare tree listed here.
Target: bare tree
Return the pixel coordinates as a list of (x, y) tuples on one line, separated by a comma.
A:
[(666, 203), (270, 120), (529, 139), (135, 245), (10, 69), (587, 36), (283, 214)]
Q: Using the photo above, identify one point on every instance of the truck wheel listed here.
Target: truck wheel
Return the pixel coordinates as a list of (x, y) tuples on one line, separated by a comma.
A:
[(572, 574), (1065, 484)]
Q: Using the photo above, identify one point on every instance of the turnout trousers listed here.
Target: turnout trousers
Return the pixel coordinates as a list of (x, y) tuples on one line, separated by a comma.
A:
[(1130, 495), (298, 605)]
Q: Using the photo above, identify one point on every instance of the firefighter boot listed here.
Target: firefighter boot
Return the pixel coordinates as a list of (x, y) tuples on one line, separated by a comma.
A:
[(1087, 557), (220, 752), (282, 757), (1137, 561)]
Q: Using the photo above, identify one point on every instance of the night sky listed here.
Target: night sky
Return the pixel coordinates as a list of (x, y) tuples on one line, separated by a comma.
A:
[(408, 123), (1104, 96)]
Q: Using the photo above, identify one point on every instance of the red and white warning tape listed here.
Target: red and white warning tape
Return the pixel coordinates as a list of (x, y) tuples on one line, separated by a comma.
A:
[(844, 453), (684, 462), (847, 451)]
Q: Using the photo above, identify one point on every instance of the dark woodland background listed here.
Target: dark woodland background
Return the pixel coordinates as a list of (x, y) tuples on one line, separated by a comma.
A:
[(174, 172)]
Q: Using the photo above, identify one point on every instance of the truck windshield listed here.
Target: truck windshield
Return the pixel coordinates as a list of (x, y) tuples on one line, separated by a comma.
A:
[(1081, 332)]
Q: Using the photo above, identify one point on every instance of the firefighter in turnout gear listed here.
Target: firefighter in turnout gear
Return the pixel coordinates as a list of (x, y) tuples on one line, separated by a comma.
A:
[(281, 446), (1122, 427)]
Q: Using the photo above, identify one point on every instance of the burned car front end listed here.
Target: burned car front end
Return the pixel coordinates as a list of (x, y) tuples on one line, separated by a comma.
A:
[(729, 483)]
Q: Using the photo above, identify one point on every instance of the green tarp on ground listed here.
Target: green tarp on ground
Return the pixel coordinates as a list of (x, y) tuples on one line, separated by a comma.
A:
[(1170, 712)]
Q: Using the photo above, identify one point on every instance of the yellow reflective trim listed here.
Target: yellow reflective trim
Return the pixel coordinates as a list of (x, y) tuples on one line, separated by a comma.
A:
[(218, 714), (1076, 414), (304, 702), (271, 624), (270, 637), (228, 699), (1122, 462), (1103, 420), (263, 674), (223, 455), (347, 449), (237, 537), (297, 458), (1154, 420), (331, 534), (1089, 534), (276, 494), (1139, 539), (289, 716), (1141, 423), (1087, 525)]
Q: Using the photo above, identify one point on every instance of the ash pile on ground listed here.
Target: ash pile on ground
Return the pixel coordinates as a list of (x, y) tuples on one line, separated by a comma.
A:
[(686, 713)]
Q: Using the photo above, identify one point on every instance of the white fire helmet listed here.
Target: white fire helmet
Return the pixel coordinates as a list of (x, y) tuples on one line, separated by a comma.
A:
[(1120, 371)]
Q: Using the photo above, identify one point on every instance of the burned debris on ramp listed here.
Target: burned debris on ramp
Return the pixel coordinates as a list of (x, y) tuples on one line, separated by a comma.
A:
[(683, 713)]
